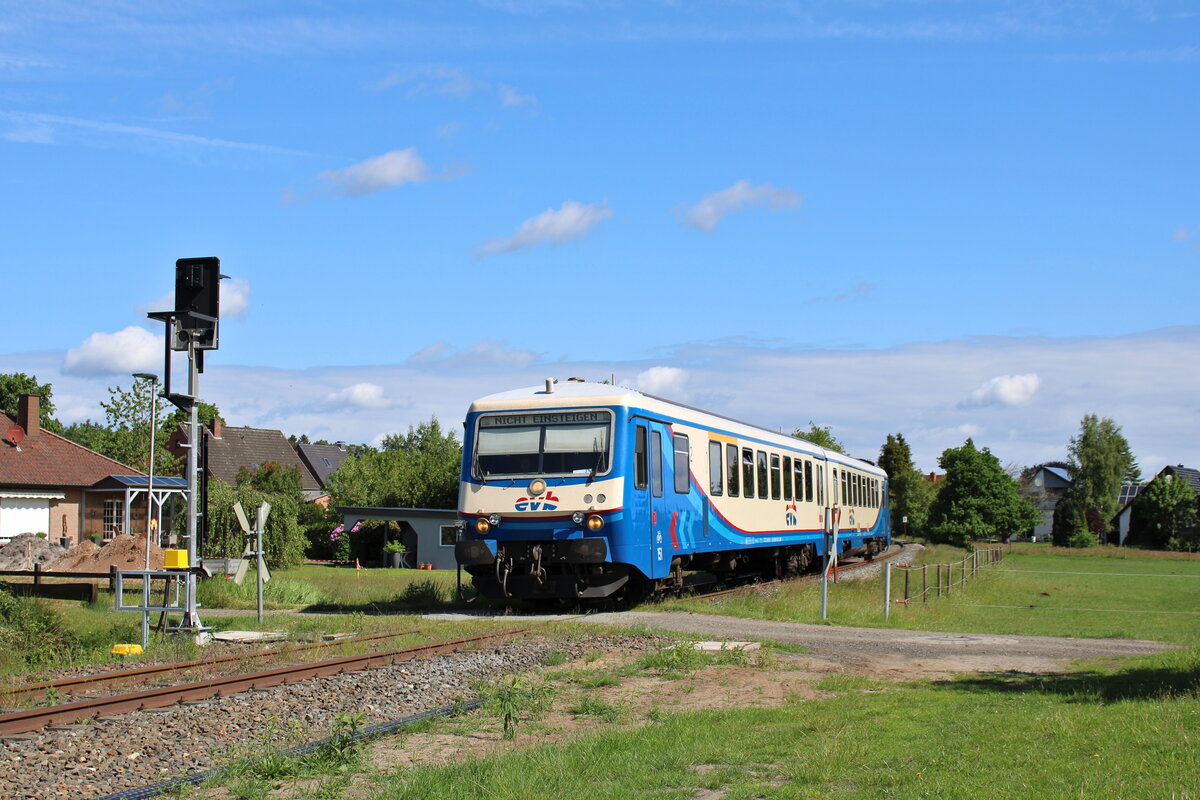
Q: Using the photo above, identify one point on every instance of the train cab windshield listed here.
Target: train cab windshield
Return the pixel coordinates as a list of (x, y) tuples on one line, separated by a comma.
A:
[(548, 444)]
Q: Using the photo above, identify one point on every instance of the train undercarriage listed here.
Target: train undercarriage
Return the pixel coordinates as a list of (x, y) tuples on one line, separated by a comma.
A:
[(565, 572)]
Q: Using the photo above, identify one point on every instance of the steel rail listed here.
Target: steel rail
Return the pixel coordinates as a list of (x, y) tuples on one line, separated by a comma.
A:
[(37, 718), (116, 676), (725, 592)]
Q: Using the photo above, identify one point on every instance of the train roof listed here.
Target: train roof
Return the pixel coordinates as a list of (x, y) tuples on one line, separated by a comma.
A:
[(570, 393)]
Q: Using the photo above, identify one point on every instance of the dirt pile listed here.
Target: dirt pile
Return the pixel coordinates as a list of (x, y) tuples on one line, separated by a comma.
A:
[(26, 550), (123, 552)]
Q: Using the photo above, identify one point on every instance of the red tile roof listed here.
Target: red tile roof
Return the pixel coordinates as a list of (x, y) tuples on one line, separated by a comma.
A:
[(50, 460)]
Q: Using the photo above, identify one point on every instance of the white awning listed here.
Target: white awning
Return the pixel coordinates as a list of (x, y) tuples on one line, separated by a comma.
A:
[(22, 494)]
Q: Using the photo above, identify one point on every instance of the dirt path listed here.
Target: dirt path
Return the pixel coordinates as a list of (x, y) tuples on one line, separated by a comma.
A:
[(887, 653)]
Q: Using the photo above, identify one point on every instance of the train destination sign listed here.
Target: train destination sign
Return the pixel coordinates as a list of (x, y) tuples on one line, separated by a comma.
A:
[(558, 418)]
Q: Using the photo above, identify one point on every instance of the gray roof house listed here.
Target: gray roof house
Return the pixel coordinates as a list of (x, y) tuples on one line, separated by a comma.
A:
[(1044, 490), (1192, 476), (231, 448), (322, 460)]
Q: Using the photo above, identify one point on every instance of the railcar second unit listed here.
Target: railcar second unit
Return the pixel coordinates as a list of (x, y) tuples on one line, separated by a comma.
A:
[(583, 490)]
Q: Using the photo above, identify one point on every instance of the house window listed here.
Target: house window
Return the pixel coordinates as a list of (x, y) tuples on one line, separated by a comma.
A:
[(328, 463), (114, 518), (714, 469), (449, 535)]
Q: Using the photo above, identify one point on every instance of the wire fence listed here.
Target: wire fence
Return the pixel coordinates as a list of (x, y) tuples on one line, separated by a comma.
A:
[(935, 580)]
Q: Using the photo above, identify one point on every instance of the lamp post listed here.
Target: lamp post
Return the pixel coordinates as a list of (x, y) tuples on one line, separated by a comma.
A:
[(149, 491), (146, 376)]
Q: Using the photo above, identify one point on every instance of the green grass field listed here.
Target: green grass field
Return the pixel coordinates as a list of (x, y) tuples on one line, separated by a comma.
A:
[(324, 588), (1038, 591)]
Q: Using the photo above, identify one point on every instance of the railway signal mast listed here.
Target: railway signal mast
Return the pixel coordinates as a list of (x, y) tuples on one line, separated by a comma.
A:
[(192, 328)]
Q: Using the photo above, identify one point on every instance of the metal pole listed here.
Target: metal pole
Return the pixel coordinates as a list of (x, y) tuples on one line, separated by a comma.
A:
[(924, 583), (190, 618), (887, 590), (260, 561), (906, 571)]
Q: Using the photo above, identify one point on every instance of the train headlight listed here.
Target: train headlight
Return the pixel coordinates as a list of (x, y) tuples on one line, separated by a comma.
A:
[(594, 523), (494, 520), (536, 487), (482, 525), (577, 518)]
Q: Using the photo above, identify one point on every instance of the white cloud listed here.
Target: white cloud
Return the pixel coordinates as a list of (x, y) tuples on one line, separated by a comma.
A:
[(511, 98), (1004, 390), (133, 349), (447, 130), (570, 221), (712, 208), (663, 381), (360, 395), (40, 128), (863, 393), (235, 298), (387, 171)]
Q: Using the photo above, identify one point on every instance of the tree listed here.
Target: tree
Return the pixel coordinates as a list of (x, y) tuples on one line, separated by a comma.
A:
[(977, 499), (820, 436), (909, 494), (1099, 459), (205, 413), (1164, 515), (283, 540), (126, 437), (419, 469), (15, 384)]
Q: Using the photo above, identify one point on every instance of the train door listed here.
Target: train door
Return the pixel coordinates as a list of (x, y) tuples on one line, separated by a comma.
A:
[(661, 532)]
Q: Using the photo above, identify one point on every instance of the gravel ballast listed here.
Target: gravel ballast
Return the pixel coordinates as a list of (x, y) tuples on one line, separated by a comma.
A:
[(108, 755)]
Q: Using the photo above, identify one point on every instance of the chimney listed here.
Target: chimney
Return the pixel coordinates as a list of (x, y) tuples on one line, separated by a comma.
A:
[(216, 427), (29, 414)]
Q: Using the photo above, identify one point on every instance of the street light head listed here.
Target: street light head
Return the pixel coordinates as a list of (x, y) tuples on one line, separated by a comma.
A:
[(146, 376)]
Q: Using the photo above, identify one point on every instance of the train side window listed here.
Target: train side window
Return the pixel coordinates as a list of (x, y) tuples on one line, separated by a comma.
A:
[(683, 458), (748, 471), (763, 480), (853, 487), (787, 477), (821, 484), (776, 478), (798, 469), (833, 487), (875, 491), (640, 480), (808, 483), (656, 463), (714, 468), (731, 469)]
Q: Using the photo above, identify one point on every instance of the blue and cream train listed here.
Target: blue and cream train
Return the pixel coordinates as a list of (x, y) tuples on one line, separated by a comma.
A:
[(584, 490)]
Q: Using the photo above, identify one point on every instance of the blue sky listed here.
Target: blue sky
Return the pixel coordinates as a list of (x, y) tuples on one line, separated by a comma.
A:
[(941, 218)]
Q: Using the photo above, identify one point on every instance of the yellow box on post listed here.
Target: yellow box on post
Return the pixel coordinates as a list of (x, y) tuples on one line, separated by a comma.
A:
[(175, 559)]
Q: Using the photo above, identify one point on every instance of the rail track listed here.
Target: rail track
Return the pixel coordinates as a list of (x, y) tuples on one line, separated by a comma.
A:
[(89, 682), (812, 577), (34, 719)]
